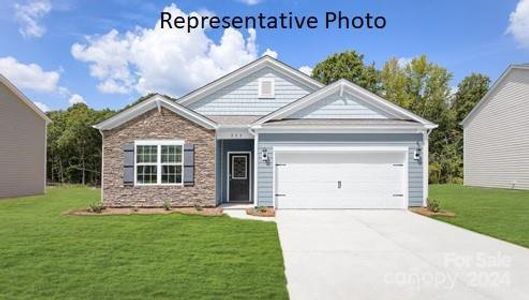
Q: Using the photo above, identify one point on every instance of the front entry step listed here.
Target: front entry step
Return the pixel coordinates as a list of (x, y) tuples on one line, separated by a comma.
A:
[(236, 206)]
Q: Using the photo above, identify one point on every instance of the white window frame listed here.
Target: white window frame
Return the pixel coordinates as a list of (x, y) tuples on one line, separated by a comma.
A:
[(159, 164), (272, 88)]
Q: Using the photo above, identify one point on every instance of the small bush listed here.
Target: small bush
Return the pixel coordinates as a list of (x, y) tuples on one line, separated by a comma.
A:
[(434, 172), (96, 207), (457, 180), (198, 207), (261, 209), (167, 205), (434, 205)]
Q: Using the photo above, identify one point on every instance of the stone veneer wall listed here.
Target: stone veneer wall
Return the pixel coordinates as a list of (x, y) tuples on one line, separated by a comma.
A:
[(159, 125)]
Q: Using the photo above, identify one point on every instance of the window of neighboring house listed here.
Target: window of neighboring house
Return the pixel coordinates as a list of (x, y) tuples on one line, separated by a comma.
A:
[(159, 163), (266, 88)]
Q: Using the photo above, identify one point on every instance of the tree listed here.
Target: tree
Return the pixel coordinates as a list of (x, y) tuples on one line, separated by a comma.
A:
[(469, 91), (394, 82), (74, 147), (424, 88), (347, 65)]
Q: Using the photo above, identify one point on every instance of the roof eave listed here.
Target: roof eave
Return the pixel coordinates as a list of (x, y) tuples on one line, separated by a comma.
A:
[(483, 100), (389, 107), (24, 99), (157, 100)]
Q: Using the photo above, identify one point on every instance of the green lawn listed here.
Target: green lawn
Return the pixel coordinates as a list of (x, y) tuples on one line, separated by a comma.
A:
[(500, 213), (45, 254)]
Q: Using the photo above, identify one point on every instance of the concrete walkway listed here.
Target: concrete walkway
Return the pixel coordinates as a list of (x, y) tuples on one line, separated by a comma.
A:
[(385, 254)]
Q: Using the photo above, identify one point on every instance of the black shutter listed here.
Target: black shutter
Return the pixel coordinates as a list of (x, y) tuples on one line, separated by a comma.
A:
[(189, 165), (128, 164)]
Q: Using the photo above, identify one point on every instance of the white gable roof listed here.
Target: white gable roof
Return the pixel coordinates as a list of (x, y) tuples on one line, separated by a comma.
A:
[(491, 91), (342, 86), (23, 98), (265, 61), (156, 101)]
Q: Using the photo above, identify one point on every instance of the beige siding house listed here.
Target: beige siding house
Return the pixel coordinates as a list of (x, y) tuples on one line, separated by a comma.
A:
[(496, 134), (22, 143)]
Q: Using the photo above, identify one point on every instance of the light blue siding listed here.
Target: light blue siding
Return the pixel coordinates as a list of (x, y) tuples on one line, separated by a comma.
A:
[(340, 107), (241, 97), (223, 147), (268, 141)]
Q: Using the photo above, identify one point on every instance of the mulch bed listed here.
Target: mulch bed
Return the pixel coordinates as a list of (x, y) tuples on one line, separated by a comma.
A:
[(261, 212), (426, 212), (111, 211)]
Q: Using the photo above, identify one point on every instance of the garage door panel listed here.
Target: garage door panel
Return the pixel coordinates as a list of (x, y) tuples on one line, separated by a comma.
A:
[(340, 180)]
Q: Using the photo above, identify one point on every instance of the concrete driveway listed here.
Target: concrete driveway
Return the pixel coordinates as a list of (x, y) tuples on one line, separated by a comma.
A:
[(390, 254)]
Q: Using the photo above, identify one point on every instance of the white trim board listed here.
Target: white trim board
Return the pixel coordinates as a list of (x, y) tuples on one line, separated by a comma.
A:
[(341, 129), (341, 86), (156, 101)]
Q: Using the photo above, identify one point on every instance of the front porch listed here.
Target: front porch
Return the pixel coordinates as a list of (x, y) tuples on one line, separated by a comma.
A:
[(235, 172)]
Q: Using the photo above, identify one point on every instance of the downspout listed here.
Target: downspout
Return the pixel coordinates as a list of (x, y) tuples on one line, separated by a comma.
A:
[(102, 162), (426, 162), (256, 162)]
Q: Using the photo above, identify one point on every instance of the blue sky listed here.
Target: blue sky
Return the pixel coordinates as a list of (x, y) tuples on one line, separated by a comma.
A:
[(59, 52)]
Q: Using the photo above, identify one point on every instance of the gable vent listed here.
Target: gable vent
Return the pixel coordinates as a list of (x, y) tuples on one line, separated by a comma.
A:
[(266, 88)]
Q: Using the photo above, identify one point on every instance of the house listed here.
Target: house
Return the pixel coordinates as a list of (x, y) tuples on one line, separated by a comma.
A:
[(22, 143), (268, 135), (496, 134)]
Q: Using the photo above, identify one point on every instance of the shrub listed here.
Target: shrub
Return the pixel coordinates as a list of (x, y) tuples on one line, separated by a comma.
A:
[(167, 205), (96, 207), (434, 205), (261, 209), (457, 180), (435, 172)]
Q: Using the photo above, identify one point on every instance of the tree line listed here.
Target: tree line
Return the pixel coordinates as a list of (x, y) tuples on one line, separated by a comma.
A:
[(421, 86)]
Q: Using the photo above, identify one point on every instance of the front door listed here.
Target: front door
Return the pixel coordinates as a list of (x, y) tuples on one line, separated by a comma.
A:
[(239, 177)]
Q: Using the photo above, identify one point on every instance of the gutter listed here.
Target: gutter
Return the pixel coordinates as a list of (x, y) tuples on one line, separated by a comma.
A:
[(256, 162)]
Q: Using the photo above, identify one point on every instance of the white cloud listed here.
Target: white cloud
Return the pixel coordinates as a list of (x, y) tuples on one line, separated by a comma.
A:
[(519, 23), (29, 76), (251, 2), (76, 98), (404, 61), (29, 16), (168, 61), (42, 106), (271, 53), (109, 57), (306, 69)]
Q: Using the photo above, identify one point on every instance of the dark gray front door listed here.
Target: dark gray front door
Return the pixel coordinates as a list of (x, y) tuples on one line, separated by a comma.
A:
[(239, 177)]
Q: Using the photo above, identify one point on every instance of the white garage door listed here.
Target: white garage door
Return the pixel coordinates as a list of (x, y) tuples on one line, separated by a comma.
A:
[(341, 179)]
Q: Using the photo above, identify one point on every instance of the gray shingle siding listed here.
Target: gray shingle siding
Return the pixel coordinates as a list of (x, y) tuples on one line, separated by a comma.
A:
[(241, 97), (339, 107), (269, 140)]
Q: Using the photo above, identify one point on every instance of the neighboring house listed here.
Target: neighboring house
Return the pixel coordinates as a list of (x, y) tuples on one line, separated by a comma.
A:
[(268, 135), (22, 143), (496, 134)]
